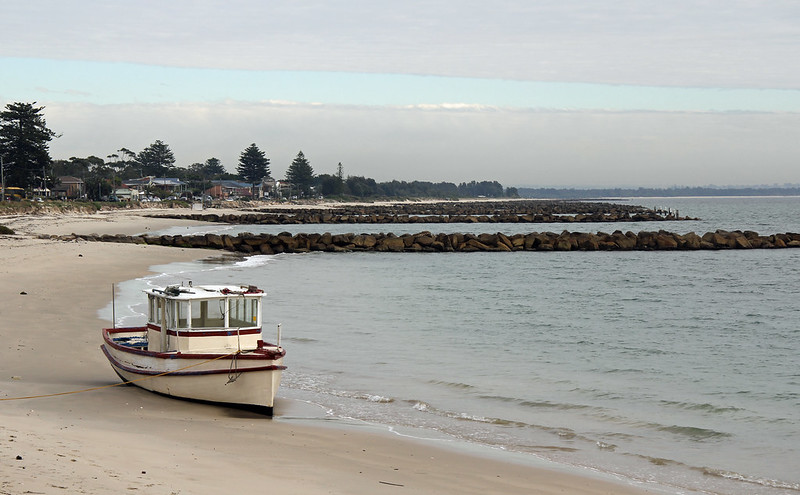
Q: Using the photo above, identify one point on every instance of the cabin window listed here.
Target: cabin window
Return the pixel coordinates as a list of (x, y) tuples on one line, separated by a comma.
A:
[(155, 310), (209, 313), (243, 312)]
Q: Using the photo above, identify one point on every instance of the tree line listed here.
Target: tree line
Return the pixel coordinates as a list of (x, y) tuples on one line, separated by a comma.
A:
[(26, 163)]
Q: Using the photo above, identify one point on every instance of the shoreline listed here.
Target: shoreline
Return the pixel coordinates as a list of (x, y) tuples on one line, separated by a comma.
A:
[(123, 438)]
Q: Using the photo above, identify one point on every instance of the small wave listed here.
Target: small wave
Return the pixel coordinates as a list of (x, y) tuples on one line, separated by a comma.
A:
[(255, 261), (783, 485), (374, 398), (606, 446), (660, 461), (300, 339), (421, 406), (553, 405), (455, 385), (705, 407), (695, 433), (537, 404), (378, 399), (623, 370)]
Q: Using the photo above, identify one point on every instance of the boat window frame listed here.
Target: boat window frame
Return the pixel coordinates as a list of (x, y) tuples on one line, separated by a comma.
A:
[(248, 307), (207, 313)]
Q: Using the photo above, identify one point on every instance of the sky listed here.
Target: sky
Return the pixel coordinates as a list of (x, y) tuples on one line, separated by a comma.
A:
[(545, 93)]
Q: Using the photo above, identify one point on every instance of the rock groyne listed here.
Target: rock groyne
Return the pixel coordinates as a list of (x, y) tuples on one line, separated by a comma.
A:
[(323, 217), (517, 211), (431, 243)]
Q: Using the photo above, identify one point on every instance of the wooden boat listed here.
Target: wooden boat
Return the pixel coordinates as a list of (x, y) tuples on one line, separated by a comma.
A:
[(201, 343)]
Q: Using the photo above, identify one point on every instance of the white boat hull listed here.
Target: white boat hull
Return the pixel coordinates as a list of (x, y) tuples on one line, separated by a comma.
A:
[(248, 380)]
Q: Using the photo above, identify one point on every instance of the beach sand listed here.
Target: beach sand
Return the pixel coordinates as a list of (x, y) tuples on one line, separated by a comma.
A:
[(122, 439)]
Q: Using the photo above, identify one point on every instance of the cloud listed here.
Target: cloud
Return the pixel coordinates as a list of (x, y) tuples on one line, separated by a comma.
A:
[(351, 82), (716, 43), (515, 147)]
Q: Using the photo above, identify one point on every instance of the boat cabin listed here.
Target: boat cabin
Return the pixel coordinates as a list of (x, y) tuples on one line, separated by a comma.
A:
[(209, 317)]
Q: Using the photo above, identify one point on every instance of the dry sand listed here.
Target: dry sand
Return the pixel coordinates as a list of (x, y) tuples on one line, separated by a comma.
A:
[(125, 440)]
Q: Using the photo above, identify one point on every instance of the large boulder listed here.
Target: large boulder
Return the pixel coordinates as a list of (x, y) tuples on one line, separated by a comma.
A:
[(214, 241), (364, 241), (665, 240), (393, 244)]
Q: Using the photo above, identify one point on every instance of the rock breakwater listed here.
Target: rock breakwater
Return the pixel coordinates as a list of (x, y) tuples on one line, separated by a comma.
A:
[(445, 212), (430, 243), (335, 218)]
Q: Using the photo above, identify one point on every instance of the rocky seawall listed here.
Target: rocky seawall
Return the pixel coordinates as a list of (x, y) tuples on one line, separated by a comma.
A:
[(431, 243)]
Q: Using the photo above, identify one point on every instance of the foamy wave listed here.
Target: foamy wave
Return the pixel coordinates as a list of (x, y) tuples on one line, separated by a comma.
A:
[(606, 446), (421, 406), (255, 260), (784, 485), (375, 398)]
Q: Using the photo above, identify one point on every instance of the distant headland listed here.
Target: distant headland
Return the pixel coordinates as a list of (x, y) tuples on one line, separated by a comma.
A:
[(648, 192)]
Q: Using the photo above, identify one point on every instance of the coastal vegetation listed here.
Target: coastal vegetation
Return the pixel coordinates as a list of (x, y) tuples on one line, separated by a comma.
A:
[(24, 149), (27, 165)]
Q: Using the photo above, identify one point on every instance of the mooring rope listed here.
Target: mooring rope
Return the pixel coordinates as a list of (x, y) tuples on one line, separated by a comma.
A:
[(120, 383)]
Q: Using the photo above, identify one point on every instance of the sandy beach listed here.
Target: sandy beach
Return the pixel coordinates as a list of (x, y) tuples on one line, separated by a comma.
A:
[(125, 440)]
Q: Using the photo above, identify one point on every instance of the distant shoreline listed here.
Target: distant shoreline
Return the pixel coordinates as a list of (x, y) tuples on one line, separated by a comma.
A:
[(645, 192)]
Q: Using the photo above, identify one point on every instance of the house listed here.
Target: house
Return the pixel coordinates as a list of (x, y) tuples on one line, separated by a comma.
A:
[(277, 188), (172, 184), (126, 194), (69, 187), (271, 188), (168, 183), (222, 189)]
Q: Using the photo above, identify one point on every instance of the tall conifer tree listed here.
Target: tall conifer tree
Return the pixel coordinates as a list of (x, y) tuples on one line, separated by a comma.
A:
[(253, 166)]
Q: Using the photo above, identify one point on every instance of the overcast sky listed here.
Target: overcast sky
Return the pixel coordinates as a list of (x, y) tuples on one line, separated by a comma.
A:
[(529, 93)]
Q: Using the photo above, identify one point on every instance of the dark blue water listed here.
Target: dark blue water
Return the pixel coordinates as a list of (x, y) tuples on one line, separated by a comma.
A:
[(676, 368)]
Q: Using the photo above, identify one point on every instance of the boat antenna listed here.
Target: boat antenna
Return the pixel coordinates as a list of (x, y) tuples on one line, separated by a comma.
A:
[(113, 308)]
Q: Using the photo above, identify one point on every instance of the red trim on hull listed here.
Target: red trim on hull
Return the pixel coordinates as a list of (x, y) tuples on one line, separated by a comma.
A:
[(228, 369), (207, 333), (255, 354)]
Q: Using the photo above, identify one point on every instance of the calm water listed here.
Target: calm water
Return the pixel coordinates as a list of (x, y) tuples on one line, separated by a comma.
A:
[(678, 368)]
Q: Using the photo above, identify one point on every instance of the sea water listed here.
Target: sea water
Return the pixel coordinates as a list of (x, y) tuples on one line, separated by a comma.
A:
[(676, 368)]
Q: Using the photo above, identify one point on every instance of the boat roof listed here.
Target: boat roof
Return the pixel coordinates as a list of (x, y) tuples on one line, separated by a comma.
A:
[(189, 292)]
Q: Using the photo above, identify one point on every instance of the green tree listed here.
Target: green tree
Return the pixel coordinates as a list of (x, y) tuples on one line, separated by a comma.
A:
[(212, 168), (300, 174), (332, 185), (24, 138), (362, 187), (157, 159), (128, 165), (329, 185), (253, 166)]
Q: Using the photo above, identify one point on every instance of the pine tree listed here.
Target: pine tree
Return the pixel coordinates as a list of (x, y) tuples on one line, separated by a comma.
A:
[(24, 138), (300, 174), (253, 166), (157, 159)]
